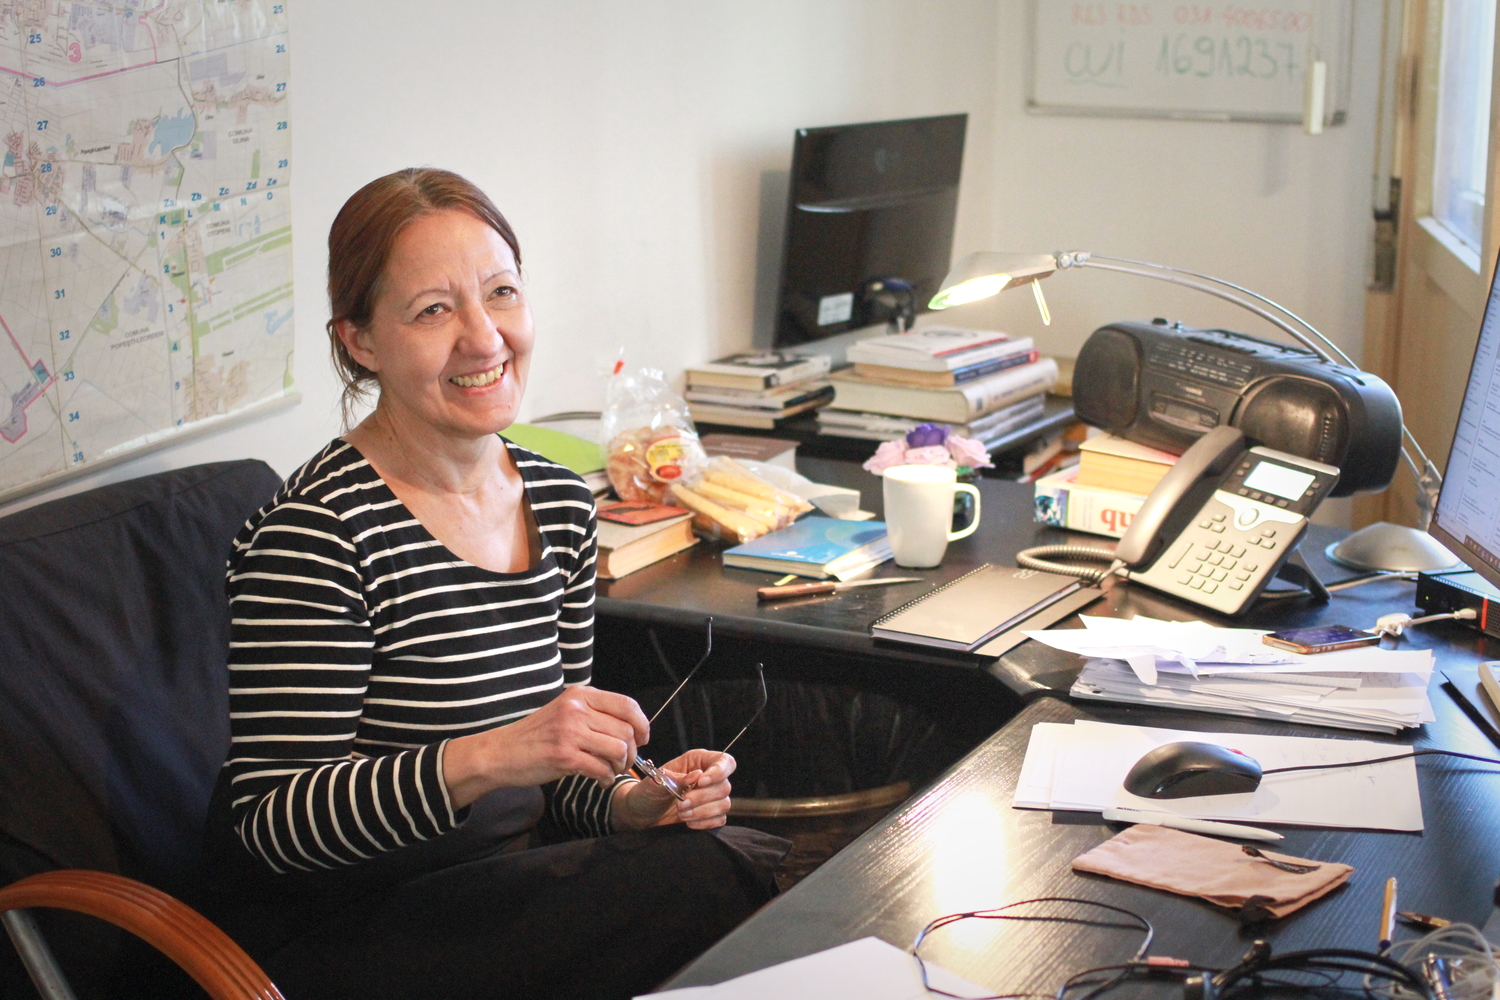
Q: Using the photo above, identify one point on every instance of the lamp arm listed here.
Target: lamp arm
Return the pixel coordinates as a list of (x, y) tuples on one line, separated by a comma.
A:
[(1218, 293), (1314, 331)]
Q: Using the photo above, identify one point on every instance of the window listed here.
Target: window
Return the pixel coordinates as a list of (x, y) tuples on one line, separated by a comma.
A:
[(1463, 118)]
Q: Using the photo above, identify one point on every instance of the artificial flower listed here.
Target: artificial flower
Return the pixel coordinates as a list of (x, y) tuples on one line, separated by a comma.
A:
[(926, 435), (967, 451), (890, 453), (931, 455)]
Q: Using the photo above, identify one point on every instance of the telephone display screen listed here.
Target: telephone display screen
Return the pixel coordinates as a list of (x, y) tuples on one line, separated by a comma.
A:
[(1269, 477)]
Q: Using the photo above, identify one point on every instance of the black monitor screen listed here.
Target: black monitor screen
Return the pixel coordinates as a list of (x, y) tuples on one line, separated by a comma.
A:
[(869, 232), (1468, 518)]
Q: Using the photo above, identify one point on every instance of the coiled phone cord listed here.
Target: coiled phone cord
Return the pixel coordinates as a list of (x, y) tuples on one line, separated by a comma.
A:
[(1040, 558)]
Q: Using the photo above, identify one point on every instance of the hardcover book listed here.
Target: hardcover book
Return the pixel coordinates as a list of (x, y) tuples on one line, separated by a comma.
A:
[(757, 370), (934, 348), (1062, 503), (958, 405), (944, 379), (821, 547)]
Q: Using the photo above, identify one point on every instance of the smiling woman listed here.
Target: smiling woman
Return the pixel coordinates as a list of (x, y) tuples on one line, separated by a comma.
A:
[(410, 652)]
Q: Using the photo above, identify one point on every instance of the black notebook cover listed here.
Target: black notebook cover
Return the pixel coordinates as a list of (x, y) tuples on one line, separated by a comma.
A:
[(975, 608)]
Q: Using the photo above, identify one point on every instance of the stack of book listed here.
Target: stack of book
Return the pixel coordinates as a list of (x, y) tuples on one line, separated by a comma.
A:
[(1103, 492), (980, 382), (757, 389), (635, 535)]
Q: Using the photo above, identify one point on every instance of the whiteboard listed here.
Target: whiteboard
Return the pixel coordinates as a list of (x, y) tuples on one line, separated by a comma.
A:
[(1218, 61)]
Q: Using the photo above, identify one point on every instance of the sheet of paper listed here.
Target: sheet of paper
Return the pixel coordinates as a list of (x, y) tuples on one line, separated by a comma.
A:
[(1151, 648), (1091, 761), (867, 969), (1383, 702), (1034, 786)]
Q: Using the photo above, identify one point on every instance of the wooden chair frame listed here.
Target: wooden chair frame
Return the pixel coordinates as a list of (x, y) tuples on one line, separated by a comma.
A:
[(175, 929)]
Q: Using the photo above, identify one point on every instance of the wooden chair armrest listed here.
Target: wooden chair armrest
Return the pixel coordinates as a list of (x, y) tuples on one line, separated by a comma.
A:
[(177, 930)]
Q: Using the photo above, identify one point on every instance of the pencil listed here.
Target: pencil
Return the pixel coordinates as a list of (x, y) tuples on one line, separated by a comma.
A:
[(1471, 710), (1388, 916)]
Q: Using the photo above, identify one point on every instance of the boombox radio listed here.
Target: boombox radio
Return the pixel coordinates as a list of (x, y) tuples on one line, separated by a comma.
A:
[(1166, 385)]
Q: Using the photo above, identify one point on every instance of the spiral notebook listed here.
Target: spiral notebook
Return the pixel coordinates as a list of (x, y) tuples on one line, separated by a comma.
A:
[(973, 609)]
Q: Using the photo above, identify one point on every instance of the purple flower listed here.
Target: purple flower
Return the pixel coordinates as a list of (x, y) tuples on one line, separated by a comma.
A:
[(967, 451), (927, 435)]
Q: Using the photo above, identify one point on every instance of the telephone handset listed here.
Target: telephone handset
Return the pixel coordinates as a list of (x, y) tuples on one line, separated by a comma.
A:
[(1223, 520), (1179, 494)]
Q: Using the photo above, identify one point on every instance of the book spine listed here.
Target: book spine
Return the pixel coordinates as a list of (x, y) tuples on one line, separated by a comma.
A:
[(1062, 504), (1007, 418), (972, 372), (947, 362), (1008, 387)]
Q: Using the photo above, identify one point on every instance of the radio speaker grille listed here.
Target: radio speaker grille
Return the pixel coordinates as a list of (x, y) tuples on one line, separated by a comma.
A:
[(1106, 380)]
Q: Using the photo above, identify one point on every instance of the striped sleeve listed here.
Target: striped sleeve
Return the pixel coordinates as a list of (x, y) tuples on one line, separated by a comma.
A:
[(301, 647), (575, 622), (576, 804)]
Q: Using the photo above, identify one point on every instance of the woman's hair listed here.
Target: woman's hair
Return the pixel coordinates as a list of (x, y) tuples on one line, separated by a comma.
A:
[(359, 247)]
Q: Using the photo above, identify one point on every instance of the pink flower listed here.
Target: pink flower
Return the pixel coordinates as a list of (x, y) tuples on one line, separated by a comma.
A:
[(967, 451), (931, 455), (888, 454)]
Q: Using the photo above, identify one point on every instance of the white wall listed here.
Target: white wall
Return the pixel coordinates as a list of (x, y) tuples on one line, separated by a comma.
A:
[(628, 142)]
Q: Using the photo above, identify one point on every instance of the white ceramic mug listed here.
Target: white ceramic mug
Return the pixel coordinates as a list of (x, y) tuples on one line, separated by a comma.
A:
[(919, 512)]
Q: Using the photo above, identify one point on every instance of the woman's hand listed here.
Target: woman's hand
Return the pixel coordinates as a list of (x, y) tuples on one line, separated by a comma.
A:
[(582, 731), (705, 773)]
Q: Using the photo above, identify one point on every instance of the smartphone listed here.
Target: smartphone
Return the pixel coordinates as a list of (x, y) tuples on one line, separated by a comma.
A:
[(1320, 638)]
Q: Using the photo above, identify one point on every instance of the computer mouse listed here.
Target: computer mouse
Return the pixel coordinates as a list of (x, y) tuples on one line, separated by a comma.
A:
[(1181, 770)]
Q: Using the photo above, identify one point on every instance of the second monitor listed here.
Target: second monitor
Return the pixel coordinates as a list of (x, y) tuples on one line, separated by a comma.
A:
[(869, 232)]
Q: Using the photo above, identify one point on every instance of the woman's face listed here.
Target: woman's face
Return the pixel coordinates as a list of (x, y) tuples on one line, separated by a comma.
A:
[(450, 337)]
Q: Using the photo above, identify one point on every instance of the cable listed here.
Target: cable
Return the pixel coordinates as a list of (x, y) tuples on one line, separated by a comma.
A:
[(1001, 913), (1360, 581), (1458, 954), (1395, 624), (1381, 760), (1040, 558)]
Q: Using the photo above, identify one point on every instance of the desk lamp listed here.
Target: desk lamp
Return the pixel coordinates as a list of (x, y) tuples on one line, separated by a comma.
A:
[(1380, 546)]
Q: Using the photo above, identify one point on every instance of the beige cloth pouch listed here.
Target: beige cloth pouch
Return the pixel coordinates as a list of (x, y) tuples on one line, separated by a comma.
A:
[(1214, 870)]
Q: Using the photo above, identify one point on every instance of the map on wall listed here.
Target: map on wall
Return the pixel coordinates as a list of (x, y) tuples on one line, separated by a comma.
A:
[(145, 226)]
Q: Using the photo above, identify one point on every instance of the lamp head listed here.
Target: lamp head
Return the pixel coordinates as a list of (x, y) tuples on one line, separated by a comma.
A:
[(986, 273)]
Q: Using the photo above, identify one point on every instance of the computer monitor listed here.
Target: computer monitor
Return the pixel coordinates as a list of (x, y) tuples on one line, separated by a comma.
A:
[(1467, 519), (869, 233)]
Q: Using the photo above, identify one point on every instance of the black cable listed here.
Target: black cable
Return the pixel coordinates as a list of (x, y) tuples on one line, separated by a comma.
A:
[(1381, 760), (999, 913)]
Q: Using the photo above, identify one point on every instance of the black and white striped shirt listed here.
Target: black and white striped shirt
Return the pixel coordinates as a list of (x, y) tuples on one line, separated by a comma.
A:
[(359, 645)]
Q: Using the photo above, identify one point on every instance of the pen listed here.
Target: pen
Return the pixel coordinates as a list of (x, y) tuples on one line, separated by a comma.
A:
[(1471, 710), (1208, 826), (1388, 916)]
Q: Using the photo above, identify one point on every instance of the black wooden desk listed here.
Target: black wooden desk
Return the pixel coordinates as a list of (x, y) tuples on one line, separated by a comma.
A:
[(959, 845), (678, 593)]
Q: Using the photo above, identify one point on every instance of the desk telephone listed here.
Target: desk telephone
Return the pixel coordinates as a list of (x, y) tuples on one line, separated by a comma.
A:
[(1220, 524)]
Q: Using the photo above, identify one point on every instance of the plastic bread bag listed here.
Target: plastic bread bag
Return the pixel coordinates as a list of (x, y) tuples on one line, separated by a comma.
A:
[(648, 436), (728, 476), (729, 501), (714, 519)]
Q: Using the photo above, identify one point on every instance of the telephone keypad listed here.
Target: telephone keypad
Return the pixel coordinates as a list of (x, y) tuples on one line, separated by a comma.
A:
[(1213, 557)]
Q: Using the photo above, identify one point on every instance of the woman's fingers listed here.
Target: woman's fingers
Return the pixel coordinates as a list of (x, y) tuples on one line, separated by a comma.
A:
[(620, 707)]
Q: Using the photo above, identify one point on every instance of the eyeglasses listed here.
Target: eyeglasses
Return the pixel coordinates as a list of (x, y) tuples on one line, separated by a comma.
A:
[(656, 774)]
